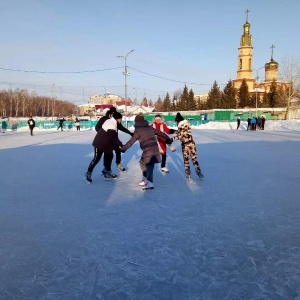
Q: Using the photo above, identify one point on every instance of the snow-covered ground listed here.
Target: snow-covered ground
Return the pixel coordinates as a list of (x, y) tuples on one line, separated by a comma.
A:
[(235, 235)]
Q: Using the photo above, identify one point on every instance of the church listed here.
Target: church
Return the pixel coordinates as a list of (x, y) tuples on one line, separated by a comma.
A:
[(245, 70)]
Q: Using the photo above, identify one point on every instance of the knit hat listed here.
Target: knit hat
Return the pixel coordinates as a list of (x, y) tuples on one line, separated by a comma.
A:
[(113, 109), (139, 118), (178, 118), (157, 116), (117, 115)]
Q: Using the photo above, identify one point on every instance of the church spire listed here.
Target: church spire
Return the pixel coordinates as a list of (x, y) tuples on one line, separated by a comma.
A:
[(246, 38)]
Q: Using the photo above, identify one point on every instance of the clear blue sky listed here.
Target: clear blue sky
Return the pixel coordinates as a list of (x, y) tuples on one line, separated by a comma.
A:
[(174, 42)]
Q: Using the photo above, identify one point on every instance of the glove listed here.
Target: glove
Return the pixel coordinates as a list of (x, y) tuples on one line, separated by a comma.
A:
[(172, 131), (169, 141)]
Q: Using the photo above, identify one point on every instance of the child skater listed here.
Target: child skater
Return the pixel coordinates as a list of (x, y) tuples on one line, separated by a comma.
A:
[(162, 145), (146, 135), (188, 146)]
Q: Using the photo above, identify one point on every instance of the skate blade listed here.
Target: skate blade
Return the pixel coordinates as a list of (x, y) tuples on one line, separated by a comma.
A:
[(86, 181), (146, 189), (109, 179)]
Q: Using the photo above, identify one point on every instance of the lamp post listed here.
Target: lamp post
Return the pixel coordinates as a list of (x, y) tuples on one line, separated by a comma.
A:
[(125, 73), (256, 80)]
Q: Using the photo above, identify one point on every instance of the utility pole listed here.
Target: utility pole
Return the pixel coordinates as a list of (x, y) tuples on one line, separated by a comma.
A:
[(125, 73)]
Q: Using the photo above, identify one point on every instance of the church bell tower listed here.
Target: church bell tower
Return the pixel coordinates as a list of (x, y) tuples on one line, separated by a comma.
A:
[(244, 70)]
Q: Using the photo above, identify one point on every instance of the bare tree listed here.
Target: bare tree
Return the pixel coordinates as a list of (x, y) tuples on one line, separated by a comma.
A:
[(290, 73)]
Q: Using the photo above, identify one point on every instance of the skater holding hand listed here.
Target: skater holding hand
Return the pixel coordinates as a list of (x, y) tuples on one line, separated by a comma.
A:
[(188, 146), (146, 135), (162, 145)]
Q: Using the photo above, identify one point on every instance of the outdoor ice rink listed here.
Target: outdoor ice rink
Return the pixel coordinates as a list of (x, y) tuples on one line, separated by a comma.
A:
[(235, 235)]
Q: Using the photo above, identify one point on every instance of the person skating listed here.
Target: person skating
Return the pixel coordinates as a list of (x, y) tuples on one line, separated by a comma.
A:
[(188, 146), (104, 142), (238, 123), (77, 124), (120, 127), (146, 135), (61, 124), (162, 146), (31, 124)]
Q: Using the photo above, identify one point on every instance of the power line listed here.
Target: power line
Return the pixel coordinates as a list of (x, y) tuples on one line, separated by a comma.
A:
[(60, 72)]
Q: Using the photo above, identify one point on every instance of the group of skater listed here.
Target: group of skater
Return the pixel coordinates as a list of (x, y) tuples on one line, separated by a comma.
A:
[(254, 123), (153, 139)]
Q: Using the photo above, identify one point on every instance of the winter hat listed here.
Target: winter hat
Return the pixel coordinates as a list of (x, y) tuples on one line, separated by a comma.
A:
[(112, 109), (117, 115), (139, 118), (178, 118)]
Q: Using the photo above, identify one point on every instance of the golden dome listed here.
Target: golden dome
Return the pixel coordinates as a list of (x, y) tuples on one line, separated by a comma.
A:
[(272, 64)]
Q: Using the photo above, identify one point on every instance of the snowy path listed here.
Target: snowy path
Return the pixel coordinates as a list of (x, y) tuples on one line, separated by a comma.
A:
[(235, 235)]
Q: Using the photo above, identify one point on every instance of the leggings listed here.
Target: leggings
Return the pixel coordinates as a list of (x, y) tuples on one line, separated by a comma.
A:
[(108, 157)]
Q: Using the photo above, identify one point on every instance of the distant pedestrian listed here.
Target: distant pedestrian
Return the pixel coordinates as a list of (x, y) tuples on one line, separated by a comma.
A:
[(77, 124), (238, 123), (253, 123), (61, 124), (249, 123), (4, 126), (263, 120), (31, 124)]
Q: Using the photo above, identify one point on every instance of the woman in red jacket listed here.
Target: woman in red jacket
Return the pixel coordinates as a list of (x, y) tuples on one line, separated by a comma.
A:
[(158, 124)]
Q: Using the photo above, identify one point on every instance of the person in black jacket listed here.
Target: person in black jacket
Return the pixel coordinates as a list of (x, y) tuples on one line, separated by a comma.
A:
[(31, 124), (61, 124), (99, 124), (105, 141)]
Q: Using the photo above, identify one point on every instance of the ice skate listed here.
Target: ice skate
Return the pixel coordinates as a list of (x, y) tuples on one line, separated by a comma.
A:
[(88, 177), (108, 175), (188, 177), (200, 175), (165, 170), (148, 186), (143, 182), (121, 168)]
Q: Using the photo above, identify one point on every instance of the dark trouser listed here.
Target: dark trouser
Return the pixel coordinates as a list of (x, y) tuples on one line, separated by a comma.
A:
[(108, 157), (61, 128), (31, 130), (118, 154), (147, 171), (163, 159), (78, 128)]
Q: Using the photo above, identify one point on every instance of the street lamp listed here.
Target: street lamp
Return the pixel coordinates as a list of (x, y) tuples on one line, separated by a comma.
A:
[(256, 80), (125, 73)]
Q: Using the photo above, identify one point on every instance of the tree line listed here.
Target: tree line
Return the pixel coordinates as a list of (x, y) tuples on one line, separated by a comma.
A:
[(228, 98), (20, 103)]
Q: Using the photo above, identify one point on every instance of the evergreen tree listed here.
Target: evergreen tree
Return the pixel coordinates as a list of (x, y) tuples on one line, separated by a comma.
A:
[(191, 101), (229, 96), (182, 105), (167, 103), (214, 97), (243, 95), (272, 95), (265, 101), (159, 105)]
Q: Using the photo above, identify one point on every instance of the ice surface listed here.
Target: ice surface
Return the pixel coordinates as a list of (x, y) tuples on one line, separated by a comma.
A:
[(235, 235)]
